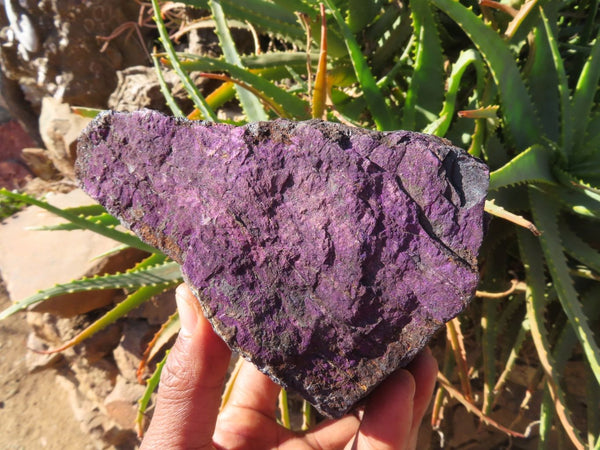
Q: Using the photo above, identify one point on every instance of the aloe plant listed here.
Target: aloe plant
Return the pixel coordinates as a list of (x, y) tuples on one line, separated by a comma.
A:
[(550, 173)]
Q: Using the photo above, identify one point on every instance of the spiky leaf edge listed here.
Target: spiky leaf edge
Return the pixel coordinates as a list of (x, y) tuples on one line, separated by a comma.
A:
[(149, 276), (535, 297)]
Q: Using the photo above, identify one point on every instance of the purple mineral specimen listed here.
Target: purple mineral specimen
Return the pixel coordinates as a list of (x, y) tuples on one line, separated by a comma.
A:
[(326, 255)]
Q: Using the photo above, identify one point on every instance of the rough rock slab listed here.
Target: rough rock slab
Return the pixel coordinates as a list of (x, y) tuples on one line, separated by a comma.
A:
[(326, 255)]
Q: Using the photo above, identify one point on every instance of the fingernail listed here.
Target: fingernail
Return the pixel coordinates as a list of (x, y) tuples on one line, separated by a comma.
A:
[(188, 313)]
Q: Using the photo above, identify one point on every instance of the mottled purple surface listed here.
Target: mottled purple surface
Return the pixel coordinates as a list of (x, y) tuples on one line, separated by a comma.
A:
[(326, 255)]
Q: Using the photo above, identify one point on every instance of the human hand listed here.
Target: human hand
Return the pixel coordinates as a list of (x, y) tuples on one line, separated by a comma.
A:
[(187, 410)]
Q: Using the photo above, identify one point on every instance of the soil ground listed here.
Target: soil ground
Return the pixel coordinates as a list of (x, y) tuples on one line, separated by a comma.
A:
[(34, 410)]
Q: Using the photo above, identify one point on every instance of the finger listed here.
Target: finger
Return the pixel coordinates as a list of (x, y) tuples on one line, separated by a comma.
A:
[(388, 416), (333, 433), (254, 391), (191, 382), (249, 415), (424, 369)]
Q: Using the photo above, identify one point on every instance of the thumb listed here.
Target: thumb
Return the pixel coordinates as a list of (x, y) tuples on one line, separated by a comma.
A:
[(191, 382)]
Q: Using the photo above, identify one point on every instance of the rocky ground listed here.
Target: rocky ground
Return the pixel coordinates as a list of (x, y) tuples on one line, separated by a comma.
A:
[(35, 411)]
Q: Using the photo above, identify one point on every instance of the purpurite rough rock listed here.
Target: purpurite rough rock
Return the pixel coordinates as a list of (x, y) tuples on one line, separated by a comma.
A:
[(326, 255)]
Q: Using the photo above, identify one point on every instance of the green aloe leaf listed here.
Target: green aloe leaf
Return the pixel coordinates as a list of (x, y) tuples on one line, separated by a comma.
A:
[(400, 37), (563, 351), (250, 104), (131, 302), (362, 13), (579, 249), (518, 110), (284, 409), (425, 94), (263, 14), (277, 18), (575, 201), (294, 106), (593, 416), (547, 441), (466, 59), (95, 209), (294, 5), (105, 220), (531, 166), (153, 260), (384, 23), (382, 115), (190, 87), (567, 118), (164, 89), (150, 276), (536, 305), (587, 169), (583, 98), (151, 386), (542, 80), (585, 164), (297, 60), (570, 180), (545, 212), (567, 339), (83, 223)]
